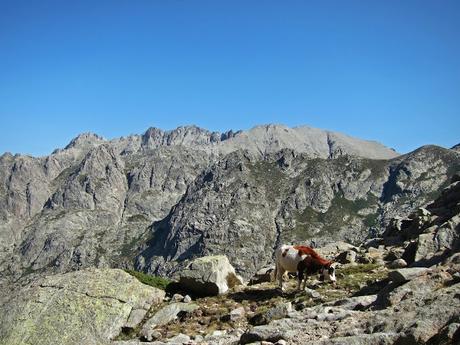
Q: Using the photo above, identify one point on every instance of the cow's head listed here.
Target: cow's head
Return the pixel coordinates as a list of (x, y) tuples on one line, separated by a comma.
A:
[(328, 273)]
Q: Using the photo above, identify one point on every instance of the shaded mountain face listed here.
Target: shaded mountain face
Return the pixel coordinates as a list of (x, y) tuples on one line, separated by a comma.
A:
[(155, 200)]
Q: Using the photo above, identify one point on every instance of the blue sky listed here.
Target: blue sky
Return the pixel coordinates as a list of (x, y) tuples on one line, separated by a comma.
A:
[(381, 70)]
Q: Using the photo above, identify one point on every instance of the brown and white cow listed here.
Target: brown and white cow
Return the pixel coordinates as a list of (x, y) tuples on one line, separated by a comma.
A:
[(303, 260)]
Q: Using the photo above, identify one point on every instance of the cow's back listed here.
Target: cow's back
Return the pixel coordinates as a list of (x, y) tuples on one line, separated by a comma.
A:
[(288, 258)]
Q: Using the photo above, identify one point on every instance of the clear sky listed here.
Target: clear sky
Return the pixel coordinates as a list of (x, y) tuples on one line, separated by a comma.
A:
[(383, 70)]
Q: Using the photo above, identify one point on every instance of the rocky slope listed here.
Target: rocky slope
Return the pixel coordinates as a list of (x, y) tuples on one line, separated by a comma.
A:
[(388, 292), (244, 206), (154, 199)]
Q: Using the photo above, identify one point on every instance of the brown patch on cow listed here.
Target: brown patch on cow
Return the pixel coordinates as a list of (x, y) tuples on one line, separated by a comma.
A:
[(285, 252), (304, 250)]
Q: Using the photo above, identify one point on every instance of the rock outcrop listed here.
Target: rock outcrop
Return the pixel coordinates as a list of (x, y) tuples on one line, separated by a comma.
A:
[(84, 307), (209, 276)]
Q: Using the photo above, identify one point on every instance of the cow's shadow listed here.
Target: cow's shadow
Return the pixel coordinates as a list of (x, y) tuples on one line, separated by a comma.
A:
[(258, 295)]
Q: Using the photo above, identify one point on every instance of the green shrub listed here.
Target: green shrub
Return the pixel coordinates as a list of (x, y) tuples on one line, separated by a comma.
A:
[(148, 279)]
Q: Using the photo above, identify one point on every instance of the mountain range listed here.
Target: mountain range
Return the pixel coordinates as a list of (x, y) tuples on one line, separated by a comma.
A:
[(155, 200)]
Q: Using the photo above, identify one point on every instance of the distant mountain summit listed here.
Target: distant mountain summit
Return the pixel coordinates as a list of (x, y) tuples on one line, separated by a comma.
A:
[(263, 139)]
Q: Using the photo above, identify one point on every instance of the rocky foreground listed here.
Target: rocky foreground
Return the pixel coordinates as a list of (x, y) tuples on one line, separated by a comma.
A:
[(403, 288), (371, 304)]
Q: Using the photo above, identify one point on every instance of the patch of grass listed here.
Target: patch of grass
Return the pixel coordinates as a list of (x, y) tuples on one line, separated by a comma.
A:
[(137, 218), (353, 278), (371, 220), (158, 282), (363, 268)]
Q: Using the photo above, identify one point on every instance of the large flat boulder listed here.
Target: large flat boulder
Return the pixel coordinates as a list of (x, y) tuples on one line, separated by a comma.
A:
[(403, 275), (209, 276), (83, 307)]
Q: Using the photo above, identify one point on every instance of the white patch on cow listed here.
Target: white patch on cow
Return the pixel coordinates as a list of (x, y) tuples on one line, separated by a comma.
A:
[(287, 260)]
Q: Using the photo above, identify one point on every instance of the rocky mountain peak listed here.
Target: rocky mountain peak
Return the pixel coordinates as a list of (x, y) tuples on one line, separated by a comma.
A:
[(191, 136), (84, 140), (456, 147)]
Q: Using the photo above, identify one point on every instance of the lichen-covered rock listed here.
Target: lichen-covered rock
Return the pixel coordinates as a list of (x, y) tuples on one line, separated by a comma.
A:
[(84, 307), (209, 276)]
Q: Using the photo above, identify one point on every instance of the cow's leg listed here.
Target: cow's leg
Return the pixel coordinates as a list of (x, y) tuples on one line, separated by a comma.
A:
[(305, 282), (280, 270), (299, 279)]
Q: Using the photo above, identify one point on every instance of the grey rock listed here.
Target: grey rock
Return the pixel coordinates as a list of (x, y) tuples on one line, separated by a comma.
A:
[(356, 303), (261, 333), (177, 298), (375, 254), (178, 339), (237, 314), (332, 248), (135, 318), (333, 314), (394, 253), (222, 337), (398, 263), (405, 274), (209, 276), (362, 339), (263, 275), (164, 316), (280, 311), (425, 245), (450, 334), (347, 257), (312, 293)]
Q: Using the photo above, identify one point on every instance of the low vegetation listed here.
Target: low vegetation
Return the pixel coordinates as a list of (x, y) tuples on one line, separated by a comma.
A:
[(158, 282)]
